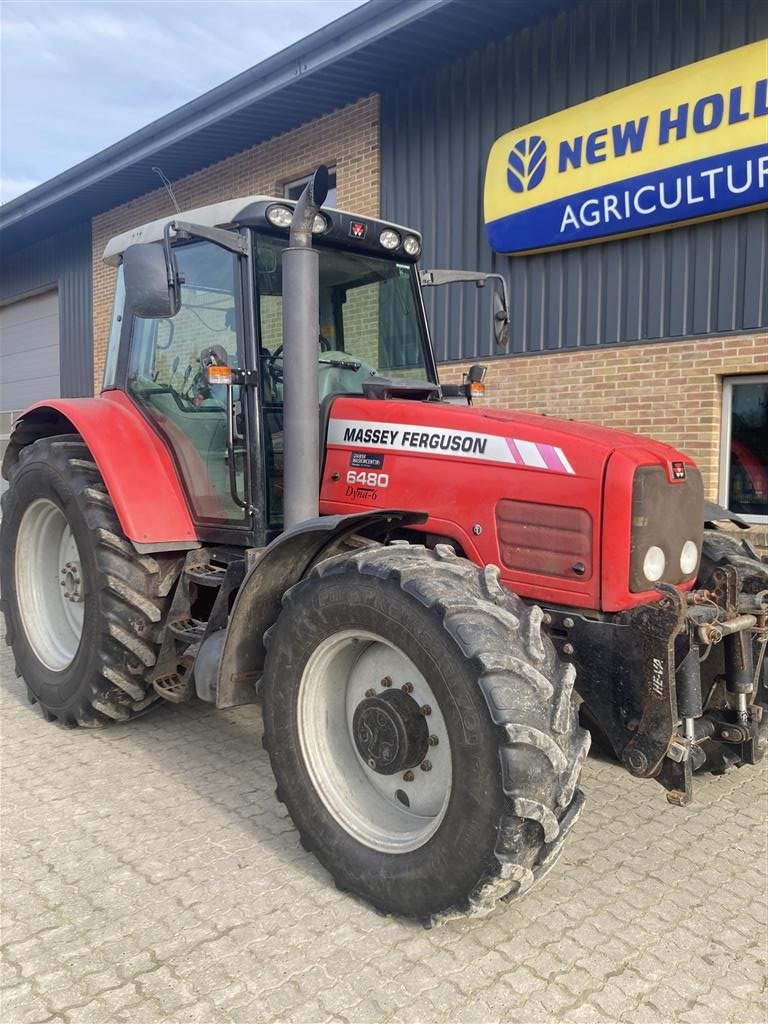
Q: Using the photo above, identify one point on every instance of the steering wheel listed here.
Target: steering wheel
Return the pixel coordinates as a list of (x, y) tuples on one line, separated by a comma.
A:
[(325, 346)]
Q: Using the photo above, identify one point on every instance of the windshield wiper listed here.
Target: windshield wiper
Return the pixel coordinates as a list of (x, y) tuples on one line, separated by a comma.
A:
[(342, 364)]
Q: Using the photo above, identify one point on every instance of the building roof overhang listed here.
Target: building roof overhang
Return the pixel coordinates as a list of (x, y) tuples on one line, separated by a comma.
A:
[(365, 51)]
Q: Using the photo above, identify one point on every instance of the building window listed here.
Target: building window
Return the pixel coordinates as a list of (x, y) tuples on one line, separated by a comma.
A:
[(744, 447), (293, 189)]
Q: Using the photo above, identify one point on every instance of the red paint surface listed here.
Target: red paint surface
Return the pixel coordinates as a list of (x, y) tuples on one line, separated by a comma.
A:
[(460, 493), (137, 469)]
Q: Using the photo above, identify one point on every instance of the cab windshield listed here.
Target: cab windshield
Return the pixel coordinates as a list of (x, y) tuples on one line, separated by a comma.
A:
[(370, 320)]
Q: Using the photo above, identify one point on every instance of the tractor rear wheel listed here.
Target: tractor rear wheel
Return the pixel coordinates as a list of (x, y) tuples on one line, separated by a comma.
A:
[(422, 731), (83, 611)]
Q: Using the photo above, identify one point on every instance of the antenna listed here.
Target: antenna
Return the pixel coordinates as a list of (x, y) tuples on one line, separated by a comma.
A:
[(168, 187)]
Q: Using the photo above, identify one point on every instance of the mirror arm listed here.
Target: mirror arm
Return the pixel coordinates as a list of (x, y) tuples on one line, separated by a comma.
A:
[(230, 240), (434, 278), (174, 280)]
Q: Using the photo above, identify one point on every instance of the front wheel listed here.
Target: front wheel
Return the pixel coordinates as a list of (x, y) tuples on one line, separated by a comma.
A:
[(421, 730)]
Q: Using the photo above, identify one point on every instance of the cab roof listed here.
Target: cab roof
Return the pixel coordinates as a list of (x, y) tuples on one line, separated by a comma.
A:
[(251, 211)]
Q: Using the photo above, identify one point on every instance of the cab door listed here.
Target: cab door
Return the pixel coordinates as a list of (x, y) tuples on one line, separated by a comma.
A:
[(167, 381)]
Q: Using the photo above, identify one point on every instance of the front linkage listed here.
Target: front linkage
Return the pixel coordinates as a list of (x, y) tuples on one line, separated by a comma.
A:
[(670, 683)]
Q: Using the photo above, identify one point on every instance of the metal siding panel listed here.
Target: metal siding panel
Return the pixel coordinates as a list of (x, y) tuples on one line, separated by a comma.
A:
[(755, 269), (17, 396), (64, 261), (29, 351), (690, 280)]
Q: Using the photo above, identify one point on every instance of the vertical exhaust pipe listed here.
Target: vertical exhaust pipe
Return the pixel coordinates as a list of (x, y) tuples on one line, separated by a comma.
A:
[(301, 328)]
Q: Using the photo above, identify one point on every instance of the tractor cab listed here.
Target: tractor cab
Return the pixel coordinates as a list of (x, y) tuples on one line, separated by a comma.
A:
[(227, 441)]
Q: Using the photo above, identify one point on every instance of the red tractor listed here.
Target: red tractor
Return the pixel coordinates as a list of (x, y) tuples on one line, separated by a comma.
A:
[(273, 499)]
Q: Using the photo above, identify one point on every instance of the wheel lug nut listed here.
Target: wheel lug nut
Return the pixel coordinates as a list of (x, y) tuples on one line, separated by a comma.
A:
[(433, 741), (408, 776), (386, 681), (425, 709), (407, 687), (426, 766), (370, 693)]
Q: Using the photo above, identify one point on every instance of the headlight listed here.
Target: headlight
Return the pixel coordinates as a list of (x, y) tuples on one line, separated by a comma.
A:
[(319, 224), (389, 238), (689, 558), (654, 564), (280, 216), (412, 245)]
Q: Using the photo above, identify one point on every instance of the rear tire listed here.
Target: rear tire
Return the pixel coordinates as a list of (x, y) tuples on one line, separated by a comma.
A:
[(84, 657), (509, 751)]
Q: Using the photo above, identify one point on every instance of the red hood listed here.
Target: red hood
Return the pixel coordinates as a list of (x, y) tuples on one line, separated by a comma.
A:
[(586, 447)]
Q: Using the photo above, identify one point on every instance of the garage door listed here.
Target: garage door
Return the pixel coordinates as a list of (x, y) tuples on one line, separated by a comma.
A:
[(29, 357)]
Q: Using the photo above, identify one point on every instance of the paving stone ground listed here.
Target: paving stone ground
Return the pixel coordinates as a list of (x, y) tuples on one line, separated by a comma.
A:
[(150, 875)]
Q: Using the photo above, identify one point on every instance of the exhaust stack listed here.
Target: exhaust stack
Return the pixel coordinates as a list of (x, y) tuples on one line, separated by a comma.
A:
[(301, 328)]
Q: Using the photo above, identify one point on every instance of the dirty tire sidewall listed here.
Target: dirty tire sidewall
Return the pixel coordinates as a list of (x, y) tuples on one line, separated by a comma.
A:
[(55, 690), (127, 595), (449, 864)]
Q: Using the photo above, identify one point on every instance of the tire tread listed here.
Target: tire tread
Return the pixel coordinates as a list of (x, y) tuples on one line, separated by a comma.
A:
[(133, 592), (539, 735)]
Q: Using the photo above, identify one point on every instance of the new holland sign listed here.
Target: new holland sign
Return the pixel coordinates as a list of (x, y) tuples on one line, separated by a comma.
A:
[(687, 145)]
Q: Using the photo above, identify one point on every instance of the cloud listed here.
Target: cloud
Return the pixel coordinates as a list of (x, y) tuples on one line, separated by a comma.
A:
[(76, 76)]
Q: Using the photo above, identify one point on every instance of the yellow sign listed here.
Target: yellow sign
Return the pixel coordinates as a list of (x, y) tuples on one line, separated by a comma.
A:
[(686, 145)]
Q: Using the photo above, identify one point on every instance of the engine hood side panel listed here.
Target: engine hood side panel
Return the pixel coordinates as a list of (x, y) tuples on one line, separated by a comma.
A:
[(467, 467)]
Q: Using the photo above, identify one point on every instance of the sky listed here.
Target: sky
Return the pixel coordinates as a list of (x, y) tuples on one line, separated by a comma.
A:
[(76, 77)]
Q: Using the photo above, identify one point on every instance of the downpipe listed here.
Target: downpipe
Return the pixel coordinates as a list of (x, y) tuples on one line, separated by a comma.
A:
[(301, 387)]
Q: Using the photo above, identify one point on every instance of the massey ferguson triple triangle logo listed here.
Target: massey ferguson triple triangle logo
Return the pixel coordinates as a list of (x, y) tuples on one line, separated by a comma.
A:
[(527, 164)]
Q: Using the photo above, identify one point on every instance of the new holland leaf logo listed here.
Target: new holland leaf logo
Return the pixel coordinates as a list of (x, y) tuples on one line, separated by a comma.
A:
[(527, 163)]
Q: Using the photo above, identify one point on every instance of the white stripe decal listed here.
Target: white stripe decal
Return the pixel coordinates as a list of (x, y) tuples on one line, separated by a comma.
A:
[(463, 444), (531, 454), (564, 459)]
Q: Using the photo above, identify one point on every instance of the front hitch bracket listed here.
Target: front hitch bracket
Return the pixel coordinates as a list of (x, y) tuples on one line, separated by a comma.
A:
[(625, 674)]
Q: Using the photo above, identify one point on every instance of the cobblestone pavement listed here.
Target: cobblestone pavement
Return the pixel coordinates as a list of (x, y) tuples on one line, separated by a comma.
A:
[(150, 875)]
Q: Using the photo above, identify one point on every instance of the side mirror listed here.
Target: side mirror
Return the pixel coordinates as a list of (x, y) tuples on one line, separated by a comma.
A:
[(151, 281), (500, 321)]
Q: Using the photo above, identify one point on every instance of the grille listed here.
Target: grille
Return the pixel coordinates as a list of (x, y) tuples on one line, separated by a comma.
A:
[(548, 539)]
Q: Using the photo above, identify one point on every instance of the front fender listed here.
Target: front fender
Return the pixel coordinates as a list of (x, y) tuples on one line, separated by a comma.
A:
[(259, 599), (137, 469)]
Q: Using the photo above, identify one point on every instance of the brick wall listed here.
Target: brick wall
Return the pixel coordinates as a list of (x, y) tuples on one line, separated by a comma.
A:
[(671, 391), (347, 138)]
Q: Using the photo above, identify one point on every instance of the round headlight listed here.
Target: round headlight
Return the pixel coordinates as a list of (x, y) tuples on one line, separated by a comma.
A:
[(689, 558), (654, 564), (412, 245), (319, 224), (280, 216), (389, 238)]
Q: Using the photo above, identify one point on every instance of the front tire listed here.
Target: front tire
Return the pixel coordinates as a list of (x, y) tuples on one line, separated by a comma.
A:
[(83, 611), (422, 731)]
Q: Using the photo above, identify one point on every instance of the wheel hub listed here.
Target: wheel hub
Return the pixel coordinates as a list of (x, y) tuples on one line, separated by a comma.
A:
[(71, 582), (390, 732)]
